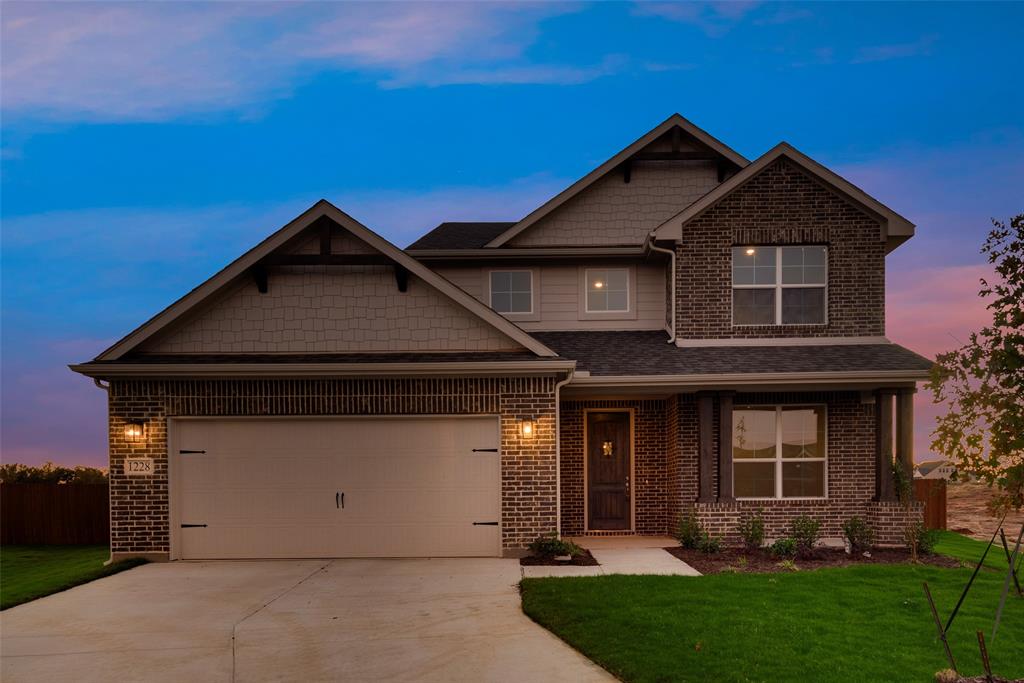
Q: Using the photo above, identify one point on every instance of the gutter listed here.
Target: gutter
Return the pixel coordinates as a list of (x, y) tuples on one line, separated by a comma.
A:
[(779, 378), (249, 370), (524, 252), (672, 279)]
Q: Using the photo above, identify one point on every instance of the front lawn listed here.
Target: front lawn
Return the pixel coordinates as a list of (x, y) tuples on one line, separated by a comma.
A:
[(968, 550), (30, 572), (863, 623)]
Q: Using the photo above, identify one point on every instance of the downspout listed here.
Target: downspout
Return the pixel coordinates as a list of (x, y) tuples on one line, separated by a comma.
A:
[(558, 451), (672, 297)]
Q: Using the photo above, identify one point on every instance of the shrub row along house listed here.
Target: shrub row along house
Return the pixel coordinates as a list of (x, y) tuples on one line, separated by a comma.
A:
[(679, 329)]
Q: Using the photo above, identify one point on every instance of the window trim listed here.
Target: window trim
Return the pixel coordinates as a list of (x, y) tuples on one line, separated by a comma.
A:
[(534, 312), (629, 313), (778, 459), (778, 286)]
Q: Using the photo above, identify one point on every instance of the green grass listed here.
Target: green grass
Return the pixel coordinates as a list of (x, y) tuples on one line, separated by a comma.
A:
[(969, 550), (866, 623), (30, 572)]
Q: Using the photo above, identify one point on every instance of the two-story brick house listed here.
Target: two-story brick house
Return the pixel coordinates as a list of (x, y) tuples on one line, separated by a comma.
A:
[(681, 328)]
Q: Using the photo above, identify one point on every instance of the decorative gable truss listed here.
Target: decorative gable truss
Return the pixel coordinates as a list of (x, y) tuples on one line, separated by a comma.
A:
[(324, 283)]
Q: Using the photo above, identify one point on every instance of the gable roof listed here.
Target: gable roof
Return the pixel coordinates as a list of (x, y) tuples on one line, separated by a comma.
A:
[(674, 121), (456, 235), (896, 228), (322, 208)]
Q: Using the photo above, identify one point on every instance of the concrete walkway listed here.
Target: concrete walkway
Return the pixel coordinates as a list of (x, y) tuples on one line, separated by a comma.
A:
[(325, 620), (622, 555)]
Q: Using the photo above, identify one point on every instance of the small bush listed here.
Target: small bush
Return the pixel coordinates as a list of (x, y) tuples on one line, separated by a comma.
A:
[(709, 545), (783, 547), (751, 530), (946, 676), (551, 545), (921, 536), (858, 533), (689, 531), (805, 531), (789, 566)]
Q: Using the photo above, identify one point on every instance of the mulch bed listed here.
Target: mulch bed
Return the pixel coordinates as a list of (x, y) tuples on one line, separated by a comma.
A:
[(761, 561), (584, 560)]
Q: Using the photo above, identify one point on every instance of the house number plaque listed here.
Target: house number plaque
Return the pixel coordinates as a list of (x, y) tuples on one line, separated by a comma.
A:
[(138, 467)]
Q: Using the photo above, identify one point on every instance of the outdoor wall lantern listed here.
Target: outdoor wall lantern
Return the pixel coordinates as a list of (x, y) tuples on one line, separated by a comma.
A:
[(134, 430), (526, 426)]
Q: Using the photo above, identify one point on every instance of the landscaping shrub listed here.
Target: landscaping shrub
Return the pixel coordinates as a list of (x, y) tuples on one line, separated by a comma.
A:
[(917, 534), (689, 531), (783, 547), (804, 531), (751, 530), (858, 533), (550, 545), (709, 545), (789, 566)]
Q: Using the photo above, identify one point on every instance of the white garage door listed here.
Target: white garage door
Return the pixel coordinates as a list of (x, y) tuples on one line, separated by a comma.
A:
[(364, 487)]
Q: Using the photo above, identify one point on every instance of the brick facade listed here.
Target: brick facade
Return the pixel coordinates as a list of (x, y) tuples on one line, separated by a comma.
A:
[(139, 506), (650, 465), (781, 205)]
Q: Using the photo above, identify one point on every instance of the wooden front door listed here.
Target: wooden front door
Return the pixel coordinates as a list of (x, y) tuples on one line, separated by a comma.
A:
[(608, 466)]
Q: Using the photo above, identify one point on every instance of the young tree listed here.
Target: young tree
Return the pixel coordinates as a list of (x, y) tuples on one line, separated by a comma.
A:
[(982, 382)]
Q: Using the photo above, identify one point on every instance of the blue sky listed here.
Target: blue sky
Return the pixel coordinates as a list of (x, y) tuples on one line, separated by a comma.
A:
[(145, 145)]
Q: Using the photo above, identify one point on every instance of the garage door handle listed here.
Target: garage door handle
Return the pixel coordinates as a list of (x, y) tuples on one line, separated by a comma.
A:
[(485, 524), (485, 450), (339, 500), (193, 526)]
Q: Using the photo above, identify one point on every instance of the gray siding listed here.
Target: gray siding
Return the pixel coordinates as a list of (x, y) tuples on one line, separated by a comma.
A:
[(560, 296)]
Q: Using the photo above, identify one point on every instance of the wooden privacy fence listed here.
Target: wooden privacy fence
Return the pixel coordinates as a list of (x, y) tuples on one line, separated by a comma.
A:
[(54, 514), (932, 492)]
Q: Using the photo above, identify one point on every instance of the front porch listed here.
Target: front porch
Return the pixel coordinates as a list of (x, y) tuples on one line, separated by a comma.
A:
[(631, 465)]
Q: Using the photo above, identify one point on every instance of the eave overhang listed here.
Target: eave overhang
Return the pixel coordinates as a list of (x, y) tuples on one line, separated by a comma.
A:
[(295, 370)]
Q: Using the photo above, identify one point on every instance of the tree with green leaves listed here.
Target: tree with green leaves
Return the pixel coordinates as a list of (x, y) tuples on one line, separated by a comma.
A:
[(982, 382)]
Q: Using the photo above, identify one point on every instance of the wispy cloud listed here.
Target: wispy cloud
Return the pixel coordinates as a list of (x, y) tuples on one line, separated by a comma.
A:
[(714, 18), (154, 61), (882, 53)]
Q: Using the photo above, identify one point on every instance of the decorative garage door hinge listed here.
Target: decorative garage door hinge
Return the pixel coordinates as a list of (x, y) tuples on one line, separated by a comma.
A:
[(485, 524), (187, 451), (192, 526), (485, 450)]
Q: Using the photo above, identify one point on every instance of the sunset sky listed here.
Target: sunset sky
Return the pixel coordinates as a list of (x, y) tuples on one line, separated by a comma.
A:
[(145, 145)]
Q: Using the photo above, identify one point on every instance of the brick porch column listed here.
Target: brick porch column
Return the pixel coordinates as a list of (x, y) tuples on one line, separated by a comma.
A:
[(705, 423), (885, 489), (725, 493)]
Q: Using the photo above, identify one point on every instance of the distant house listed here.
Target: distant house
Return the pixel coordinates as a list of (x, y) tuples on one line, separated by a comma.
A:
[(934, 469)]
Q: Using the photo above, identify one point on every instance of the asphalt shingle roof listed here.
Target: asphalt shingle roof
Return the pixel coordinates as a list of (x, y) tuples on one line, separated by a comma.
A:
[(649, 353), (460, 235)]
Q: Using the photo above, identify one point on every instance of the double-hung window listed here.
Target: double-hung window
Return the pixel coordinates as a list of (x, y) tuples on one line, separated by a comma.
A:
[(779, 451), (607, 290), (779, 285), (512, 291)]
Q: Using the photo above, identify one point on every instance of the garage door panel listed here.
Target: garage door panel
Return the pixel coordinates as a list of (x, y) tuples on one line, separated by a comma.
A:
[(271, 488)]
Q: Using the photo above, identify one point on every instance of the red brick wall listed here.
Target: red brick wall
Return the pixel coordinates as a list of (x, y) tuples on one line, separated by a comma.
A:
[(781, 205), (851, 457), (139, 505), (650, 463)]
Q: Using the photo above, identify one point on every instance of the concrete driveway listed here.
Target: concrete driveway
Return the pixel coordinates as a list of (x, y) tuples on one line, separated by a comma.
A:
[(328, 620)]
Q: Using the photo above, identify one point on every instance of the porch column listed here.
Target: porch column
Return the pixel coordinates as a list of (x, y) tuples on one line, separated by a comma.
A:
[(725, 493), (905, 431), (705, 421), (885, 489)]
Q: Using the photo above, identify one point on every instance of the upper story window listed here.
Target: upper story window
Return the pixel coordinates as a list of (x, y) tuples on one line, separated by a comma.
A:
[(779, 451), (512, 291), (607, 290), (779, 285)]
